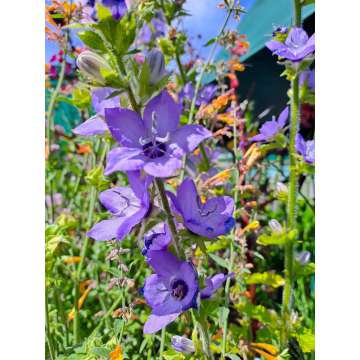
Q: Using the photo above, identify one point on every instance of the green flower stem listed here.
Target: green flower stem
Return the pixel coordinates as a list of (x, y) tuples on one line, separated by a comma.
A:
[(231, 264), (292, 197), (181, 69), (54, 95), (205, 157), (50, 122), (92, 202), (204, 332), (162, 342), (164, 200), (47, 328)]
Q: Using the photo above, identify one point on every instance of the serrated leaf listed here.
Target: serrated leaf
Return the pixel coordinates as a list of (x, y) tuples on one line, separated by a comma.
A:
[(92, 40), (266, 278)]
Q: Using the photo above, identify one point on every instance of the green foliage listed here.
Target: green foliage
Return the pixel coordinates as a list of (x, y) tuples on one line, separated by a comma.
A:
[(92, 40), (266, 278)]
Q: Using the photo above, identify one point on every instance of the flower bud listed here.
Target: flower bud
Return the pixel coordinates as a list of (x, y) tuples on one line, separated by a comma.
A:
[(182, 344), (303, 257), (281, 191), (90, 64), (275, 226), (156, 62)]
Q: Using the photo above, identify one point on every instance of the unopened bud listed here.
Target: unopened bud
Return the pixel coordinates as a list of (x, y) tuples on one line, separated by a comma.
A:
[(156, 62), (281, 191), (275, 226), (90, 64), (303, 257), (182, 344)]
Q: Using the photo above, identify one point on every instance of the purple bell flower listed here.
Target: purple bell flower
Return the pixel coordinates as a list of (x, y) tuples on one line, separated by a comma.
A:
[(96, 124), (296, 47), (271, 128), (305, 148), (127, 205), (173, 289), (158, 238), (155, 143), (211, 219), (213, 284), (182, 344)]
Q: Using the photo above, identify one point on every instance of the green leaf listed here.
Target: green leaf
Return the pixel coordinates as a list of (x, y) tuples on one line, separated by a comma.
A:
[(306, 270), (273, 239), (173, 355), (266, 278), (100, 352), (211, 41), (306, 340), (144, 79), (81, 98), (103, 12), (221, 262), (92, 40), (223, 315)]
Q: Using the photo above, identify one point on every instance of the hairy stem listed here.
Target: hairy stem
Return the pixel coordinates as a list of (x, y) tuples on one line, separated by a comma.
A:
[(292, 197)]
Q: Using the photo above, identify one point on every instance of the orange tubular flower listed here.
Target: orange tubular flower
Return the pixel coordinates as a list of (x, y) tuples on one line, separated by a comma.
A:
[(116, 354)]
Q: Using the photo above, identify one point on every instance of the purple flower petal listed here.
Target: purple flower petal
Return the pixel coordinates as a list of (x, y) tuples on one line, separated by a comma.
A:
[(93, 126), (164, 263), (140, 184), (124, 159), (99, 101), (126, 126), (297, 37), (106, 229), (166, 113), (259, 137), (163, 166), (211, 219), (155, 291), (120, 201), (155, 323), (187, 138), (284, 115), (158, 238), (213, 284)]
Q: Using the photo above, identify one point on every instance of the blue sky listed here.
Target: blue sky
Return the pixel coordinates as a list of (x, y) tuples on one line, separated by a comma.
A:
[(206, 21)]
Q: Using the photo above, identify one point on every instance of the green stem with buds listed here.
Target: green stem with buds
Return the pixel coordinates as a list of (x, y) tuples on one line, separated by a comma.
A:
[(292, 197)]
